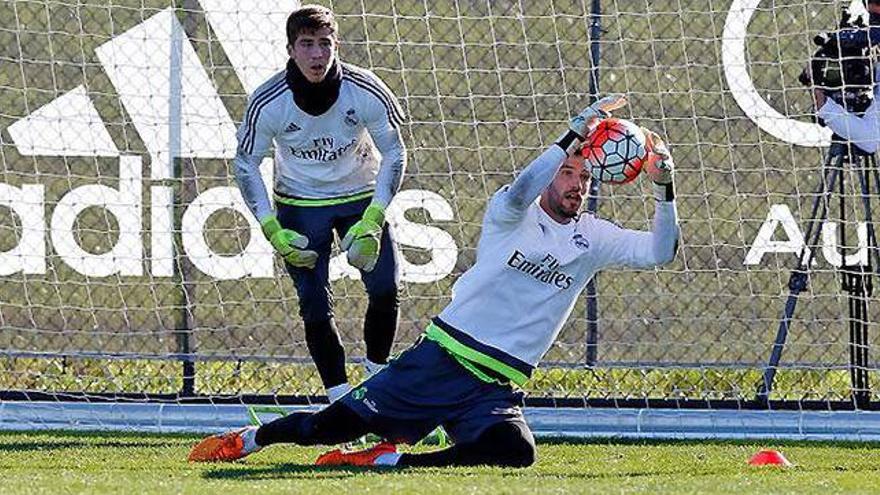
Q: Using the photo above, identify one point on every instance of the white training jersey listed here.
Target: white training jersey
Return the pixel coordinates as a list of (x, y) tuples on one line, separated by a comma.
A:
[(530, 270), (861, 130), (332, 155)]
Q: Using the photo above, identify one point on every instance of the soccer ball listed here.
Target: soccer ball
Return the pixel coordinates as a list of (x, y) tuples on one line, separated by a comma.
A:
[(615, 151)]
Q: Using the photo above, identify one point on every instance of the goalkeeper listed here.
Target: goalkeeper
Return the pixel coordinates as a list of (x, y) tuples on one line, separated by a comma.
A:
[(536, 254), (330, 122)]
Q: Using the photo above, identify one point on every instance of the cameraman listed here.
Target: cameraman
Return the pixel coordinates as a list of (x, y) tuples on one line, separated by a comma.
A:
[(861, 130)]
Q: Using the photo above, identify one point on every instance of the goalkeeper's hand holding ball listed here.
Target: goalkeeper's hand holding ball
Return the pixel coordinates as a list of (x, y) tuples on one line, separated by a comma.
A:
[(583, 123), (659, 166), (289, 243), (362, 241)]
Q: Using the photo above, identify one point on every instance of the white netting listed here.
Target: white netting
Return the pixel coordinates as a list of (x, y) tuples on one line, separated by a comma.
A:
[(117, 126)]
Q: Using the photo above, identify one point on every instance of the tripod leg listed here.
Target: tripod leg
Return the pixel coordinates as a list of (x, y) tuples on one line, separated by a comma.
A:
[(861, 288), (858, 339), (873, 247), (856, 283), (798, 281)]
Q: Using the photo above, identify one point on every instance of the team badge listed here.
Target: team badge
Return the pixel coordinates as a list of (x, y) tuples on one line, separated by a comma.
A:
[(351, 118), (580, 242), (359, 393)]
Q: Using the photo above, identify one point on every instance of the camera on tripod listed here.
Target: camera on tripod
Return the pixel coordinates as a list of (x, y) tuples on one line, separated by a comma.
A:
[(843, 69), (843, 66)]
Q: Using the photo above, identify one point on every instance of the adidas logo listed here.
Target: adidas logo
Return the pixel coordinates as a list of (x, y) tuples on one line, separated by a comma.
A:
[(181, 116), (194, 123), (292, 127)]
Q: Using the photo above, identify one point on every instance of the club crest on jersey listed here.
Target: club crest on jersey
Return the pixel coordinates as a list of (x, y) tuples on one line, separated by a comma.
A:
[(351, 118), (580, 242), (292, 127)]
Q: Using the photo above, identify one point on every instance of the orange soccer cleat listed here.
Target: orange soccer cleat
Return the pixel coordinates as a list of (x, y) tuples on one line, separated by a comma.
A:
[(365, 457), (227, 446)]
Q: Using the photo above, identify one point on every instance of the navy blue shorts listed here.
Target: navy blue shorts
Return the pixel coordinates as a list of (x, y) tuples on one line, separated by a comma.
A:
[(318, 224), (426, 387)]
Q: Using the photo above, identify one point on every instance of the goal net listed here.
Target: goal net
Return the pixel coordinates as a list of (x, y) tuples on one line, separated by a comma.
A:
[(130, 271)]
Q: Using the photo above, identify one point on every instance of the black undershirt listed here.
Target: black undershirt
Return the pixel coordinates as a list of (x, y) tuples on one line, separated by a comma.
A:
[(314, 98)]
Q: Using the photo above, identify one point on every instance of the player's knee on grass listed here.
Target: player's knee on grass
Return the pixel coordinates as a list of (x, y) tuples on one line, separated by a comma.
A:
[(509, 444)]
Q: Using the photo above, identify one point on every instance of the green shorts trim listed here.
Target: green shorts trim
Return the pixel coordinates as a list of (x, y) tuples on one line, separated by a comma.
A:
[(475, 370), (459, 350), (286, 200)]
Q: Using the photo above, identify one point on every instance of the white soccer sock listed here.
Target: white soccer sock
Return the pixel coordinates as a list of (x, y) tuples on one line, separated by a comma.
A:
[(389, 459), (249, 438), (372, 368), (337, 391)]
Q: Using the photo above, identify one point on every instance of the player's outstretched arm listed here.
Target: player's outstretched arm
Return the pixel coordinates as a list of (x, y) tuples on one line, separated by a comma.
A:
[(666, 231), (529, 184), (659, 167), (642, 249)]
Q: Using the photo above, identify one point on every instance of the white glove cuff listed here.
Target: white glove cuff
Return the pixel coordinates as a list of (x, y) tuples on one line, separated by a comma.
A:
[(663, 192)]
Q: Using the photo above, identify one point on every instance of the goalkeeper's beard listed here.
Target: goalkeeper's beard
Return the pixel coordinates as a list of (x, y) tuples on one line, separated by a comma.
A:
[(566, 204)]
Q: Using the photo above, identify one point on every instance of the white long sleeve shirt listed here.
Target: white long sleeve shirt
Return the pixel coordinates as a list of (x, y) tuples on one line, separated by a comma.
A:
[(508, 309), (353, 148), (864, 130)]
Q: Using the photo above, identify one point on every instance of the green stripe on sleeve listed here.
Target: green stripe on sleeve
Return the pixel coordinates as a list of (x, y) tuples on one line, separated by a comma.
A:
[(435, 333)]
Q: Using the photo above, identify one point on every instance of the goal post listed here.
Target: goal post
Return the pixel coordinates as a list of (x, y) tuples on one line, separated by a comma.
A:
[(134, 285)]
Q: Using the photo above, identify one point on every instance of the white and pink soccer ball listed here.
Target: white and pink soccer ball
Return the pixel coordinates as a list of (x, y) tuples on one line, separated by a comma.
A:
[(615, 151)]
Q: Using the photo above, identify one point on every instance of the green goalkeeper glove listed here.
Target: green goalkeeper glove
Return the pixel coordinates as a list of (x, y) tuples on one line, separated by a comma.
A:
[(361, 243), (581, 124), (289, 244)]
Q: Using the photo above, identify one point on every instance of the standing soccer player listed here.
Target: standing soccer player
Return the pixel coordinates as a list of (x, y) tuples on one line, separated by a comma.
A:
[(339, 160), (536, 254)]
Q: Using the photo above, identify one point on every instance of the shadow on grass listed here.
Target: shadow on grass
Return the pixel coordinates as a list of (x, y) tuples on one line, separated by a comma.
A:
[(48, 445), (663, 442), (111, 434), (306, 471), (290, 470), (48, 440)]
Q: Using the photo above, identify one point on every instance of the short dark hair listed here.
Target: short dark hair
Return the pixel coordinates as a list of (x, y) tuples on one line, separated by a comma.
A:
[(309, 18)]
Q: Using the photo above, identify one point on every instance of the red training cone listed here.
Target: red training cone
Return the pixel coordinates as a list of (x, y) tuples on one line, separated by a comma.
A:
[(769, 458)]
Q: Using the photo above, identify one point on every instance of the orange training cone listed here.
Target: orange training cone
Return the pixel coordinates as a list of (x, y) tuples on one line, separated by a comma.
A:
[(769, 458)]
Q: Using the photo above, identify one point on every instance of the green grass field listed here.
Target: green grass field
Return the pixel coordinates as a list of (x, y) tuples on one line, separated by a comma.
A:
[(485, 84), (61, 462)]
